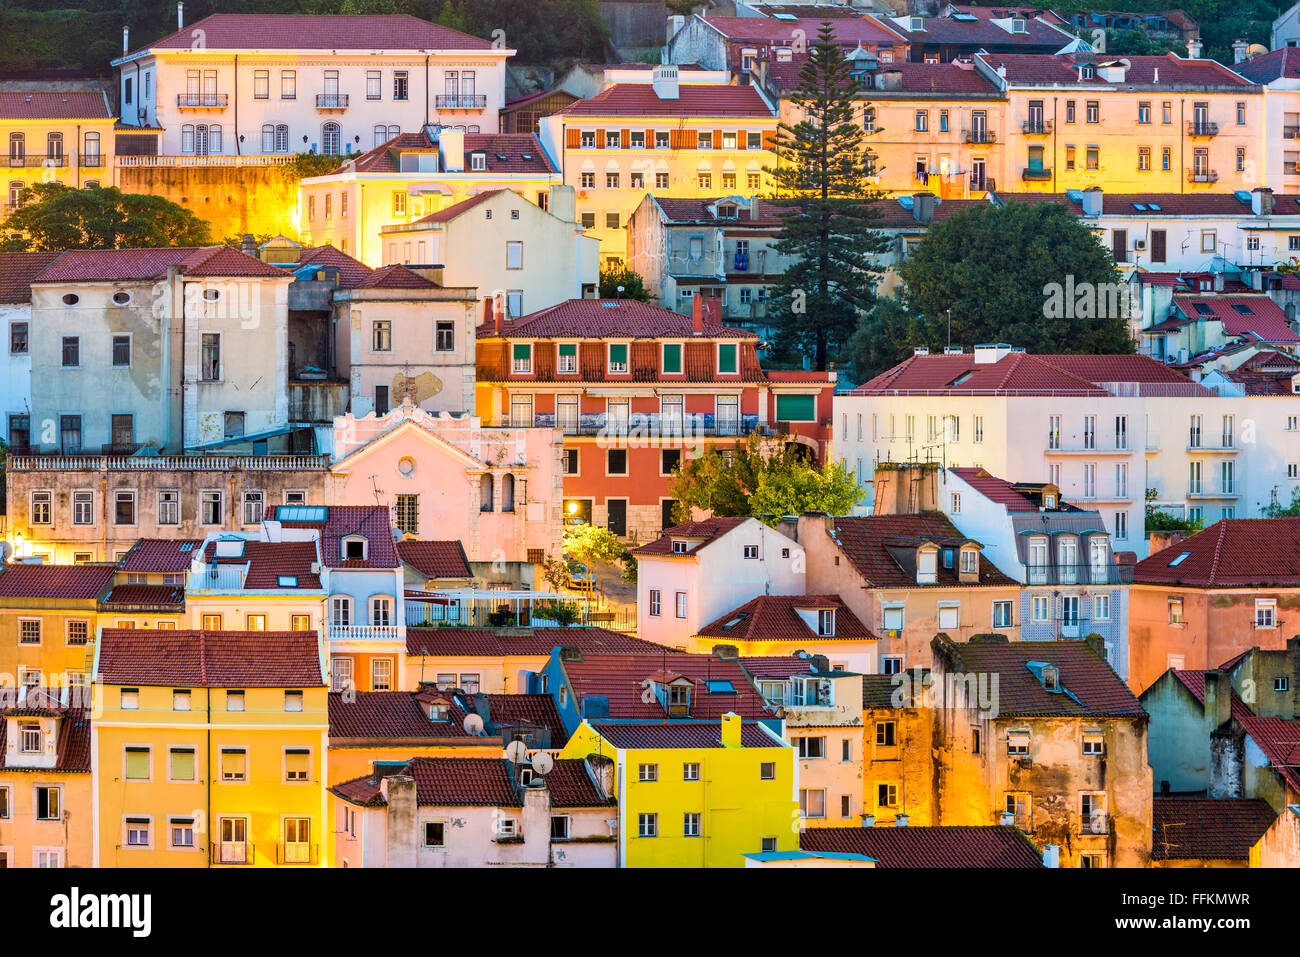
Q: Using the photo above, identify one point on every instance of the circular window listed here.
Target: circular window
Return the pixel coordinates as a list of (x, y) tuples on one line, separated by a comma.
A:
[(211, 295), (406, 466), (121, 298), (71, 299)]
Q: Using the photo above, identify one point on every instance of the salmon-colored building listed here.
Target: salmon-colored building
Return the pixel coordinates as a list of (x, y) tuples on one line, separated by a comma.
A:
[(1208, 598), (634, 389)]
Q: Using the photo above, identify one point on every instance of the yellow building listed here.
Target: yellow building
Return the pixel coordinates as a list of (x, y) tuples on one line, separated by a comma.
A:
[(49, 615), (1140, 124), (60, 136), (696, 793), (45, 781), (684, 140), (242, 583), (898, 765), (412, 176), (211, 750)]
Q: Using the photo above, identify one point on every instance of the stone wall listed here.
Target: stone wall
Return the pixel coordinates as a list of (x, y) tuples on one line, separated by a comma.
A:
[(233, 199)]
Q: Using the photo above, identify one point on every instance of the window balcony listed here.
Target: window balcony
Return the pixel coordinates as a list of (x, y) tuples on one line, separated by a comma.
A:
[(232, 852), (216, 580), (293, 852), (202, 101), (979, 137), (1202, 129), (1202, 176), (1036, 173), (90, 160), (1226, 449), (1200, 490), (1036, 127), (365, 633), (1078, 574), (463, 101), (331, 101), (37, 160)]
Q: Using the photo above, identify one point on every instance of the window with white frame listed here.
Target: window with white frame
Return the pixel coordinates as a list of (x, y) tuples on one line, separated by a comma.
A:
[(1265, 613)]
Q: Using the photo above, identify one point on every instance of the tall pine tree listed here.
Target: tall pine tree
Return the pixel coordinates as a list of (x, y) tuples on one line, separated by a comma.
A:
[(828, 221)]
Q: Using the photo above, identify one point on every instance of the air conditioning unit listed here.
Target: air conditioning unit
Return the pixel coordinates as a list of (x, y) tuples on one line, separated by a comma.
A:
[(1139, 244), (1026, 762)]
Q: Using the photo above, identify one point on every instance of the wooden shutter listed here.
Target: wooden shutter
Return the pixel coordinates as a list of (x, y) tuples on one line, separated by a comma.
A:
[(572, 138)]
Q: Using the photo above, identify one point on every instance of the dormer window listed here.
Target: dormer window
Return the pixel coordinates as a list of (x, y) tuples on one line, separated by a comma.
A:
[(826, 622), (1051, 678), (438, 711), (927, 560), (29, 734), (353, 549), (679, 699), (680, 547), (727, 211), (970, 561), (478, 161), (1049, 500)]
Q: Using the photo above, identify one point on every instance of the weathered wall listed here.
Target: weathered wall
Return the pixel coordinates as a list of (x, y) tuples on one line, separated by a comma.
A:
[(234, 200), (635, 22)]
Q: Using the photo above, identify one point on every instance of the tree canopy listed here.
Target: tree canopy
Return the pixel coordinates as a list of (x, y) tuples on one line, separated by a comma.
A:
[(634, 287), (54, 217)]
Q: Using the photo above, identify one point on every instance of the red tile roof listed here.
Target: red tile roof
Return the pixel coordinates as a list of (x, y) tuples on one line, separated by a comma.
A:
[(396, 276), (774, 618), (883, 550), (449, 213), (1020, 373), (777, 666), (683, 734), (1231, 553), (571, 785), (849, 31), (1174, 72), (505, 153), (1263, 319), (17, 270), (994, 489), (352, 272), (96, 265), (210, 659), (65, 105), (267, 561), (537, 710), (247, 31), (1279, 739), (393, 714), (625, 681), (1091, 688), (982, 34), (1207, 829), (160, 555), (686, 209), (993, 846), (536, 642), (150, 596), (436, 559), (372, 522), (1194, 682), (707, 529), (1277, 64), (73, 744), (476, 782), (608, 318), (696, 101), (69, 582)]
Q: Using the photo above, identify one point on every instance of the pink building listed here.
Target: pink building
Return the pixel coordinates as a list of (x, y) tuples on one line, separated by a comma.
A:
[(496, 490)]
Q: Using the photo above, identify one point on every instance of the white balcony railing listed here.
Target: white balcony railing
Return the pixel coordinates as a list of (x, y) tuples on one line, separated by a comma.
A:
[(216, 579), (364, 633)]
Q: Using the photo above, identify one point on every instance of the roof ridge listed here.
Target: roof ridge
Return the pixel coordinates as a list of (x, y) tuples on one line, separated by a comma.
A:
[(1218, 548)]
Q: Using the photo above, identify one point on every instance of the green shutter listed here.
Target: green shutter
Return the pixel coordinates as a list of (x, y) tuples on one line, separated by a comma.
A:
[(182, 765), (618, 353), (137, 764), (673, 357), (570, 349), (796, 408), (727, 358), (523, 351)]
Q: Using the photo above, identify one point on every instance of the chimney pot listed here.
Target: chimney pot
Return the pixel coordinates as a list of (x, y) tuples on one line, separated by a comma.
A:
[(180, 16), (900, 820), (697, 314), (868, 820)]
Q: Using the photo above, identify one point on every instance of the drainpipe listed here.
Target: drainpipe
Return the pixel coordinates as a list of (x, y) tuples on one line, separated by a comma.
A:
[(207, 781), (235, 93), (103, 508)]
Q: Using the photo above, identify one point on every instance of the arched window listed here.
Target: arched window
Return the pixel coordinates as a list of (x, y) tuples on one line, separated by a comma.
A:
[(508, 493), (17, 147), (331, 137), (381, 134), (381, 610), (187, 138), (394, 131), (15, 190), (353, 548), (54, 146), (268, 138), (281, 138), (487, 493), (92, 149)]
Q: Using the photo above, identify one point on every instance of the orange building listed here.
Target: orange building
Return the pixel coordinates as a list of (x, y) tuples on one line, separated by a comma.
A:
[(1208, 598), (634, 388)]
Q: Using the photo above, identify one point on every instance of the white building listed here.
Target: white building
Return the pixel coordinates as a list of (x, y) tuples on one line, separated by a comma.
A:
[(699, 571), (16, 273), (266, 84), (1105, 430)]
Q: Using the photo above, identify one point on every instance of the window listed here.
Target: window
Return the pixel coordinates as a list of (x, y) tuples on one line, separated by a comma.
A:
[(661, 180), (655, 602), (444, 336), (514, 255), (691, 824), (210, 360), (647, 825), (1092, 812), (1176, 611), (767, 771), (137, 832), (1094, 745), (810, 748), (29, 631), (381, 335), (181, 832), (401, 84), (1018, 744), (71, 352), (681, 604), (297, 761), (180, 764), (234, 764), (1265, 613), (1002, 614), (211, 510), (381, 674), (812, 802)]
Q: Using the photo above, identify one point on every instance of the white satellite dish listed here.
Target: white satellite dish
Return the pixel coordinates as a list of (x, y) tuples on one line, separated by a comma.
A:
[(516, 751), (473, 725), (543, 763), (5, 551)]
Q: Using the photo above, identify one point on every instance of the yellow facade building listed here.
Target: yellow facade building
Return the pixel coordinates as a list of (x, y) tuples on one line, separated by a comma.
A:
[(696, 793), (211, 750), (49, 615), (59, 136)]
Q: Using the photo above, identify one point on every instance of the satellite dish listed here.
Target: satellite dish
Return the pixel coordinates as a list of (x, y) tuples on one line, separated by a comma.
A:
[(516, 751), (473, 725), (543, 763), (5, 551), (1256, 49)]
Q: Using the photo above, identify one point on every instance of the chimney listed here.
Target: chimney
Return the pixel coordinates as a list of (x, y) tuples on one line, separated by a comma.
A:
[(1052, 855), (900, 820), (712, 311), (1240, 50), (1006, 819), (697, 314), (923, 207), (664, 81), (1092, 201), (1155, 74), (1218, 698), (248, 245), (451, 148), (399, 793), (1194, 48), (868, 820), (675, 24), (990, 352), (180, 16), (562, 203), (126, 40), (1261, 200), (730, 730), (1218, 282)]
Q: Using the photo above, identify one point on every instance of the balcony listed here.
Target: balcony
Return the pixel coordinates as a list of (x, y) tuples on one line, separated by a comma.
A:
[(1202, 176), (202, 101), (37, 160), (1086, 449), (348, 633), (1035, 173), (1078, 574), (1202, 129), (35, 460), (1291, 132), (1200, 490), (296, 853), (979, 137), (90, 160), (1227, 448), (331, 101), (232, 852), (1036, 127), (216, 580), (461, 101), (642, 427)]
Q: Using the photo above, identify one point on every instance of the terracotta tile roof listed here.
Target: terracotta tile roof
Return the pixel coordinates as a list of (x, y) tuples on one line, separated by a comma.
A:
[(993, 846), (396, 276), (211, 659), (912, 78), (685, 209), (1258, 317), (352, 272), (524, 709), (247, 31), (373, 522), (155, 596), (1090, 687), (17, 270), (1231, 553), (776, 666), (95, 265), (535, 642), (774, 618), (1212, 829), (451, 212), (571, 786), (160, 555), (392, 714), (1194, 681), (682, 734), (981, 34), (882, 549), (73, 744), (476, 782), (267, 561), (1020, 373), (65, 105), (878, 691), (1279, 739), (1275, 65), (708, 529), (608, 318), (994, 489), (505, 153), (623, 680), (696, 101), (892, 214), (70, 582), (436, 559), (849, 31), (1174, 71)]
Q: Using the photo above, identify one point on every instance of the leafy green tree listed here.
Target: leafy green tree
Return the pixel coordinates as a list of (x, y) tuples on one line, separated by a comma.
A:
[(590, 544), (1278, 510), (634, 287), (828, 220), (1158, 520), (54, 216), (830, 488)]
